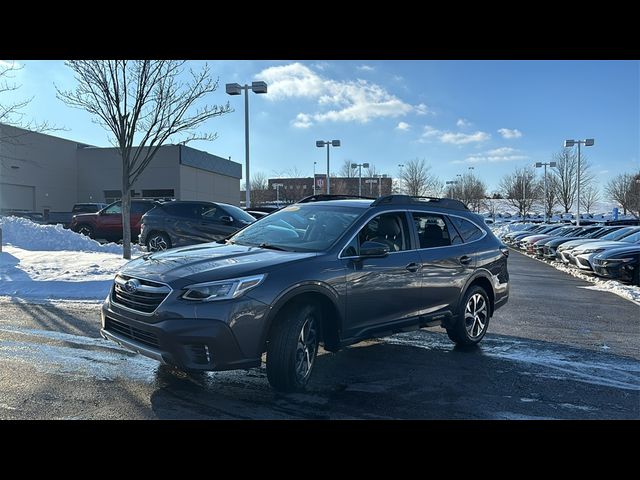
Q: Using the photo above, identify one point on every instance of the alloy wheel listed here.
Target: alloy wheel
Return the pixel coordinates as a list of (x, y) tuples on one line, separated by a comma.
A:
[(475, 315), (306, 348), (157, 242)]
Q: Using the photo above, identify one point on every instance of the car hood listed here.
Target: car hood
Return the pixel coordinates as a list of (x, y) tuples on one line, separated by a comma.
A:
[(606, 244), (84, 216), (575, 243), (208, 262), (560, 240), (533, 238), (619, 252)]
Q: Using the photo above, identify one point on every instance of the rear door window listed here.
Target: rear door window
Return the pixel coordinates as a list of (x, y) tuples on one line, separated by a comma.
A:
[(432, 230)]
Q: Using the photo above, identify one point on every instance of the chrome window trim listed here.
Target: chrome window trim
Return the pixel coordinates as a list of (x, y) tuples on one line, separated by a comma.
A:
[(411, 212), (119, 305)]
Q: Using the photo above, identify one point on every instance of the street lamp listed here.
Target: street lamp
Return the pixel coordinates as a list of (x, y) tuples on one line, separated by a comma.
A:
[(333, 143), (587, 143), (538, 165), (451, 193), (277, 187), (359, 167), (236, 89), (314, 177)]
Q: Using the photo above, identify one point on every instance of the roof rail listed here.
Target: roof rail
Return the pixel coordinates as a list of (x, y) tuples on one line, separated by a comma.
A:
[(324, 197), (407, 199)]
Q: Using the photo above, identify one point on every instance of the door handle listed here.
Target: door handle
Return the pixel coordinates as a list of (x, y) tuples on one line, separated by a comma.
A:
[(465, 260), (413, 267)]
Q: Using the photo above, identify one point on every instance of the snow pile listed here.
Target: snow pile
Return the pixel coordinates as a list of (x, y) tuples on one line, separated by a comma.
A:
[(26, 274), (630, 292), (25, 234)]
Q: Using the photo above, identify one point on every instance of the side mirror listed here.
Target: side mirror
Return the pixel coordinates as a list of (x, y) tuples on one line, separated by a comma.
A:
[(226, 219), (373, 250)]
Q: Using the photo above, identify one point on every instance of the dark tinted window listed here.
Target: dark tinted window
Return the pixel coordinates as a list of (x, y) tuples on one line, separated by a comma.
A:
[(389, 229), (185, 210), (237, 213), (432, 230), (141, 207), (467, 229)]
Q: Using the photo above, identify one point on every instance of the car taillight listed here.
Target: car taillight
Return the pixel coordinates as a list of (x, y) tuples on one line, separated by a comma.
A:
[(505, 251)]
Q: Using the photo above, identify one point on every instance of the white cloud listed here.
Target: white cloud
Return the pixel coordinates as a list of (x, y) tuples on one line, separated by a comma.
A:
[(463, 122), (422, 109), (509, 133), (321, 65), (338, 101), (502, 154), (404, 126), (454, 138), (365, 68)]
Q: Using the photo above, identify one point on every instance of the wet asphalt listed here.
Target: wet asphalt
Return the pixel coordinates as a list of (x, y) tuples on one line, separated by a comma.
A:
[(557, 350)]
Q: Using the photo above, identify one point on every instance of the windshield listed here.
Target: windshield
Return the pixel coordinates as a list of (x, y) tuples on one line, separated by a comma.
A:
[(618, 234), (299, 228), (633, 238), (238, 213)]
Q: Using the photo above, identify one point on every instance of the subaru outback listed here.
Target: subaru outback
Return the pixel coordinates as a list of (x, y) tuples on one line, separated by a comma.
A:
[(330, 273)]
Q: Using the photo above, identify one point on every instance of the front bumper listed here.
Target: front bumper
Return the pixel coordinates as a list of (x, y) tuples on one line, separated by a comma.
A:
[(617, 271), (187, 343)]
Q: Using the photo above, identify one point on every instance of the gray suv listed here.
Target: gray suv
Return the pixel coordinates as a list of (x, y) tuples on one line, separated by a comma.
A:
[(330, 272)]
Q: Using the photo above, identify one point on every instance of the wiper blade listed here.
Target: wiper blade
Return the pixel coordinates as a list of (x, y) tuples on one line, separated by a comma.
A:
[(272, 247)]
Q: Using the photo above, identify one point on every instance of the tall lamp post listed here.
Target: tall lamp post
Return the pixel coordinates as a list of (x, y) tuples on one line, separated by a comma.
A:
[(314, 177), (587, 143), (277, 187), (452, 182), (472, 168), (333, 143), (359, 167), (545, 165), (236, 89)]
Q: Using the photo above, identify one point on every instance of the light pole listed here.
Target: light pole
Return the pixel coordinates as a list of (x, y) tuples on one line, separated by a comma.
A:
[(359, 167), (314, 177), (472, 168), (277, 187), (461, 181), (587, 143), (452, 182), (538, 165), (400, 166), (333, 143), (371, 182), (236, 89)]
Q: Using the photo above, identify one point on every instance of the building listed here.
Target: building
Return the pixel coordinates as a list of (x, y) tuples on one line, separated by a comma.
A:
[(289, 190), (41, 172)]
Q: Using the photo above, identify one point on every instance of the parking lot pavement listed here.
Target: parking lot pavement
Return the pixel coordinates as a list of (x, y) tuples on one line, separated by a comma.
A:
[(557, 350)]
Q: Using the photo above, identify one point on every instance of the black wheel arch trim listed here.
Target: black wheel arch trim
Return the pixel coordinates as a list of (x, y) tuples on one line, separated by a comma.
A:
[(479, 273)]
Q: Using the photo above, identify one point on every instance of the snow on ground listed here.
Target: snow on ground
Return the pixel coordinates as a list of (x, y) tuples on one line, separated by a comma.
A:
[(42, 262)]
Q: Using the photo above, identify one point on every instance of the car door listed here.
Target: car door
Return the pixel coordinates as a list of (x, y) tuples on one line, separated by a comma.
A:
[(214, 224), (446, 261), (382, 290), (109, 223)]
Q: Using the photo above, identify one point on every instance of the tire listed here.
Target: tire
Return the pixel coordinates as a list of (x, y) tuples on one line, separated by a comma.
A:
[(158, 241), (292, 348), (473, 321), (86, 230)]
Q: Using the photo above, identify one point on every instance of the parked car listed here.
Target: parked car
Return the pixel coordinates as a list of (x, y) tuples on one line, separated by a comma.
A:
[(181, 223), (551, 247), (564, 251), (354, 270), (537, 248), (621, 263), (35, 217), (107, 223), (581, 256), (65, 218)]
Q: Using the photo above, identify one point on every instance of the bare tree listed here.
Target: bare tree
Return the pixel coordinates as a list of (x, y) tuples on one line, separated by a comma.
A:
[(259, 188), (418, 180), (624, 189), (371, 172), (347, 171), (521, 189), (589, 196), (144, 104), (551, 199), (564, 178), (470, 190)]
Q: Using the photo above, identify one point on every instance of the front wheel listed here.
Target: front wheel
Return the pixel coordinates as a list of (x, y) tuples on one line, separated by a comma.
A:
[(292, 348), (85, 230), (473, 321), (158, 241)]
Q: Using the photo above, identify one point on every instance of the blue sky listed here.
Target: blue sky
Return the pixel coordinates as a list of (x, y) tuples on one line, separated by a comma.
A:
[(492, 115)]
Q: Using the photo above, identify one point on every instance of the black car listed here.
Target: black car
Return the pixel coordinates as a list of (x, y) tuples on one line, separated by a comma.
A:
[(182, 223), (331, 272), (621, 263)]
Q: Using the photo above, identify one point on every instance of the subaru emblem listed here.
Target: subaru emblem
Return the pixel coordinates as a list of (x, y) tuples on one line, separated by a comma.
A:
[(131, 286)]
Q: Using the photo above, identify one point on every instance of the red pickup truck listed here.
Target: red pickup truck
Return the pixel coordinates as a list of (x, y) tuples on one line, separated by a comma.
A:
[(107, 223)]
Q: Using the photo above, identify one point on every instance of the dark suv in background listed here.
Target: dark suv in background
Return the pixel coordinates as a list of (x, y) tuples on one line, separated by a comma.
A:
[(331, 272), (181, 223)]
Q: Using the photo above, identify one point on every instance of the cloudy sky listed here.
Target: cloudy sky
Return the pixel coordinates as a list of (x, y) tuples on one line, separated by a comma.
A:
[(490, 115)]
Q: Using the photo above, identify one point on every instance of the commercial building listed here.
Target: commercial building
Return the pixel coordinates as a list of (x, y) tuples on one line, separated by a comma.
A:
[(41, 172)]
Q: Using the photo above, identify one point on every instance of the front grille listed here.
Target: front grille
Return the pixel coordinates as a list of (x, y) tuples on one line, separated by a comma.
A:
[(132, 333), (145, 298)]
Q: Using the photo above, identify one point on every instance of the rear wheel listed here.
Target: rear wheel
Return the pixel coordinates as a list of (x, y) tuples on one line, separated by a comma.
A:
[(158, 241), (85, 230), (292, 348), (472, 323)]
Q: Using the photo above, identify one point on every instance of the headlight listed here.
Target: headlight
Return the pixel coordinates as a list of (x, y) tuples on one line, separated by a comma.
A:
[(221, 290), (621, 260), (592, 250)]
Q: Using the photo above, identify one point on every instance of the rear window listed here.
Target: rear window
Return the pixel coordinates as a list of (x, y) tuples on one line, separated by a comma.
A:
[(186, 210), (468, 230), (141, 207)]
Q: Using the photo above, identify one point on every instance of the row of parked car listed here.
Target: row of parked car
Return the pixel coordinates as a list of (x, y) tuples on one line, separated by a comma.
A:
[(611, 252)]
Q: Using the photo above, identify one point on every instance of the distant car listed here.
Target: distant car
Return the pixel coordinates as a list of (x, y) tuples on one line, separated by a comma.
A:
[(182, 223), (565, 250), (582, 256), (619, 264), (107, 223), (36, 217), (551, 247), (65, 218)]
